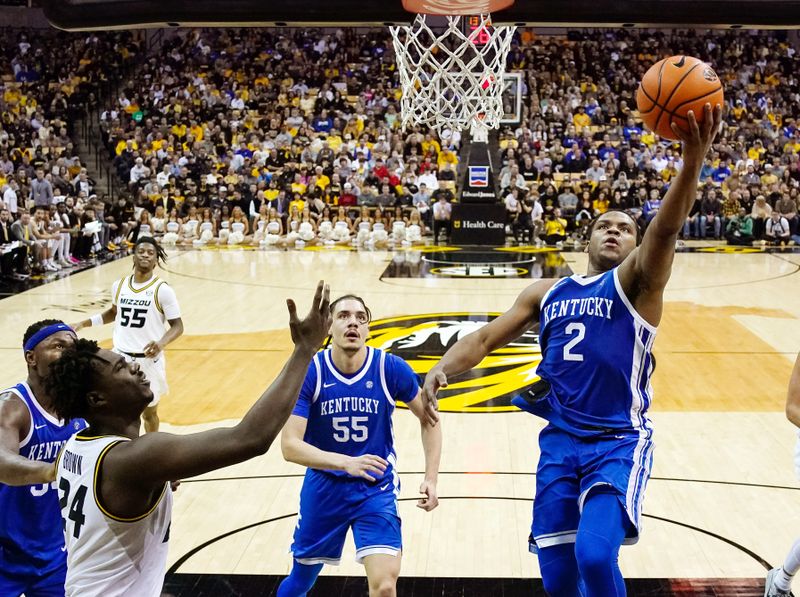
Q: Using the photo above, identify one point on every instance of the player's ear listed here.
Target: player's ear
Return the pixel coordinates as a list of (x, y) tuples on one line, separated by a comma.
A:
[(95, 399)]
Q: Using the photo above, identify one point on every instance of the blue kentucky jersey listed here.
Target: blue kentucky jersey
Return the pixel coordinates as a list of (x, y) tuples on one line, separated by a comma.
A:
[(596, 355), (352, 414), (31, 534)]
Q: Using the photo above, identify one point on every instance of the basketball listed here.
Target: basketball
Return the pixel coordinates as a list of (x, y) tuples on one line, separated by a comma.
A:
[(672, 87)]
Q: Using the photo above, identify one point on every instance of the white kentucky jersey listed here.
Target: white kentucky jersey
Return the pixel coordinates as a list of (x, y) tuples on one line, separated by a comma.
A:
[(108, 556), (142, 312), (597, 356)]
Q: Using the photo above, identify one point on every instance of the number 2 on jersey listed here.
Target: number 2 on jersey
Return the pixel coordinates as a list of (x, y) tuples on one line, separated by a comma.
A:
[(350, 428), (570, 329)]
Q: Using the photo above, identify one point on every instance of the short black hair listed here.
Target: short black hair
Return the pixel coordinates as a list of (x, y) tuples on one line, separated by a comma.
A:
[(71, 378), (636, 226), (35, 327), (353, 297), (161, 254)]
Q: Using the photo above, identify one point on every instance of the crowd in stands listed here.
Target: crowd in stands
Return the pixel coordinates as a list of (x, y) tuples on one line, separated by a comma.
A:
[(47, 200), (292, 137), (580, 149), (286, 126)]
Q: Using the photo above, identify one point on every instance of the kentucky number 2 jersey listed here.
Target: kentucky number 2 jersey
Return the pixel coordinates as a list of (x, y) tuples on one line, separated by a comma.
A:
[(142, 312), (31, 541), (352, 414), (596, 355), (108, 556)]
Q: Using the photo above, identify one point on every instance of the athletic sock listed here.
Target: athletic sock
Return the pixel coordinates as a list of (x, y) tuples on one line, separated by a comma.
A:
[(783, 580)]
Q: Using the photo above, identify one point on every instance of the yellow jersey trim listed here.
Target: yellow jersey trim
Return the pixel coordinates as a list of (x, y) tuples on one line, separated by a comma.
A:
[(119, 290), (155, 297), (145, 287)]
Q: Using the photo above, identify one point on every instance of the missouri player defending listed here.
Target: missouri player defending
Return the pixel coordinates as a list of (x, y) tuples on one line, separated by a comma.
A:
[(596, 334), (141, 305), (341, 429), (113, 484), (32, 558)]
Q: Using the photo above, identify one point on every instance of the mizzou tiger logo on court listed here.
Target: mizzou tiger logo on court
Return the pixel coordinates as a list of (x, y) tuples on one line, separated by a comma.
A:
[(421, 340)]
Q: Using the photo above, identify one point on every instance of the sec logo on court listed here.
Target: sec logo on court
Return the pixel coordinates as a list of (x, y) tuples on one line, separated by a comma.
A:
[(421, 340)]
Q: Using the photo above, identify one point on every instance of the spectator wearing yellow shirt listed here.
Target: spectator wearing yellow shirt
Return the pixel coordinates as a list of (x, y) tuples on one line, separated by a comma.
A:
[(447, 156), (600, 205), (769, 178), (757, 151), (555, 228), (298, 186), (322, 180), (297, 201), (581, 119)]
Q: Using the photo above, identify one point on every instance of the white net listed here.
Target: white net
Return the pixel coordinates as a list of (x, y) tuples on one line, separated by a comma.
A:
[(452, 76)]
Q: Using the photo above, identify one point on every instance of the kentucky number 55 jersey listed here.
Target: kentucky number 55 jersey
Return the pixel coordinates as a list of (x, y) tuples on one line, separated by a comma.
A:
[(142, 312), (352, 414), (597, 356)]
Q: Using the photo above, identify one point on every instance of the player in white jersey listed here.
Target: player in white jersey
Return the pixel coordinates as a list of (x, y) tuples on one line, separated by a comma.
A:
[(779, 580), (114, 484), (142, 304)]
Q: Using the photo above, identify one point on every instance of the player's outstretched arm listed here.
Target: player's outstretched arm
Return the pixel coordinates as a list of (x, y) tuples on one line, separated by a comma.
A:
[(15, 421), (472, 349), (296, 449), (793, 396), (155, 458), (646, 271)]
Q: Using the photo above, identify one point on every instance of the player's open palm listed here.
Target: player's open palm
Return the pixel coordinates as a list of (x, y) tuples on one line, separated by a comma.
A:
[(697, 140), (311, 331), (368, 466)]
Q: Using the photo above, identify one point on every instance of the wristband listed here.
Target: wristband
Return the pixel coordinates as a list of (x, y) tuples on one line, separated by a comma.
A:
[(97, 319)]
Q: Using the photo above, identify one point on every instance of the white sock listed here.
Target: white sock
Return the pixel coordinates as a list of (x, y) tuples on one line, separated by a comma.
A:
[(783, 580)]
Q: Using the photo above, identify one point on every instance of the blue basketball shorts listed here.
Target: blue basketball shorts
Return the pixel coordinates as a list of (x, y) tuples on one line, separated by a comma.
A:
[(571, 466), (49, 584), (331, 505)]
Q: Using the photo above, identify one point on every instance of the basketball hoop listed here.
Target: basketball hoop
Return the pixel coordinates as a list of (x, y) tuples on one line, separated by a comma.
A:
[(452, 75)]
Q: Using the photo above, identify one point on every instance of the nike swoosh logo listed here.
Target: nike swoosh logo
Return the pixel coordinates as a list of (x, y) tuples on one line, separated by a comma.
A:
[(64, 548), (40, 426), (327, 385), (680, 63), (384, 487)]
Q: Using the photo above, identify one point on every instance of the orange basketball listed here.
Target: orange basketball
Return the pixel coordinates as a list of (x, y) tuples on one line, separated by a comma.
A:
[(672, 87)]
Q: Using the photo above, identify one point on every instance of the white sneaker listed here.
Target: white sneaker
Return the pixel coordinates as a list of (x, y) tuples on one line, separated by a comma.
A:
[(770, 590), (50, 267), (65, 264)]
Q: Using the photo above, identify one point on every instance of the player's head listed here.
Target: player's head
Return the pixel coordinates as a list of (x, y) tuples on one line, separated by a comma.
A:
[(43, 342), (350, 319), (90, 382), (147, 253), (612, 236)]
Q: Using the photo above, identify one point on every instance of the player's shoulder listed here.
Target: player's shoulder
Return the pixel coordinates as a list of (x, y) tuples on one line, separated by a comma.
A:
[(13, 410), (534, 293)]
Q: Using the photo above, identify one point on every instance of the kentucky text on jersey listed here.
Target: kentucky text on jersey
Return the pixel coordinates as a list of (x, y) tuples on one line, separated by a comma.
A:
[(593, 306), (46, 451), (349, 404)]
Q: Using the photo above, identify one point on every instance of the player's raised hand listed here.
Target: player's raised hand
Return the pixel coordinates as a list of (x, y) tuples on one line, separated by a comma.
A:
[(697, 140), (312, 331), (431, 499), (365, 466), (434, 381)]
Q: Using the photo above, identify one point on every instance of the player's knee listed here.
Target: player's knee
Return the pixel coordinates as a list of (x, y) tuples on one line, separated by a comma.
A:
[(383, 587), (595, 555), (559, 574)]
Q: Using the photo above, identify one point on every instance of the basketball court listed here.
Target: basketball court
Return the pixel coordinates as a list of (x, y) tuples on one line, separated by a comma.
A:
[(723, 499)]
